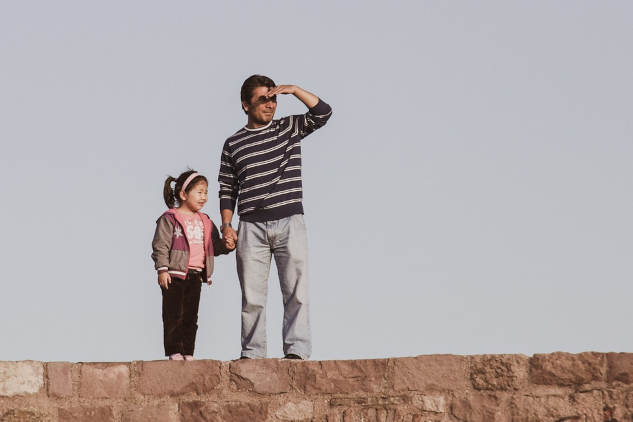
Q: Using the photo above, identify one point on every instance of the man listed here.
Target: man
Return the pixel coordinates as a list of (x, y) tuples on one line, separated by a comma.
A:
[(261, 165)]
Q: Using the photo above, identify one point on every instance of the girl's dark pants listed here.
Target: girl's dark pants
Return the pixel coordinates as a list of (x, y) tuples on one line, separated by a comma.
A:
[(180, 313)]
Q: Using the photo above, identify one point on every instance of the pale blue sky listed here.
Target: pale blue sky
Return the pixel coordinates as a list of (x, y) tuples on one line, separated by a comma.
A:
[(471, 193)]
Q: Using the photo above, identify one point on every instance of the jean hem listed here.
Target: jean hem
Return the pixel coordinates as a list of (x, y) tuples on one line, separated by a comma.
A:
[(245, 355), (301, 355)]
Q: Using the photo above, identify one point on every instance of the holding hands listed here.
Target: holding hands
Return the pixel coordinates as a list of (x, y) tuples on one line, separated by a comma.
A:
[(229, 237)]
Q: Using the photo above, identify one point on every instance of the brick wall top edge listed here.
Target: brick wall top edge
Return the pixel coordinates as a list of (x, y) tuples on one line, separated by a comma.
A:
[(328, 360)]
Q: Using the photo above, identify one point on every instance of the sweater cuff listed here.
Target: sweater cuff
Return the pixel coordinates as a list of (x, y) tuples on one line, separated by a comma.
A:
[(320, 108), (226, 204), (162, 270)]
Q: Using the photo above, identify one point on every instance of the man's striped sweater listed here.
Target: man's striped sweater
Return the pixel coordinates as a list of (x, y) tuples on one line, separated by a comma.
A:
[(263, 166)]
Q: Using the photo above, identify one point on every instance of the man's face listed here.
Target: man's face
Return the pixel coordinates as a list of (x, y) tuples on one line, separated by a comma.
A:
[(261, 109)]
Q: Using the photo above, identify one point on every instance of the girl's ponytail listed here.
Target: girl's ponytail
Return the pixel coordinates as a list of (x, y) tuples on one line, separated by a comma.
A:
[(168, 193), (188, 180)]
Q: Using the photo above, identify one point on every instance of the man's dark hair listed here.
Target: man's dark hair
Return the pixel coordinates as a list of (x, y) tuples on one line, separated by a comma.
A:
[(251, 84)]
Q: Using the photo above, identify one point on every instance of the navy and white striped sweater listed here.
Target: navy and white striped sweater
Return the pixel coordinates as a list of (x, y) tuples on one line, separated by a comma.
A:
[(263, 166)]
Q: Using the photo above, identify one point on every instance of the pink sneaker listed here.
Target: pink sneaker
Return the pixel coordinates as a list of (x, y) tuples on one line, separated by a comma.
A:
[(176, 356), (189, 358)]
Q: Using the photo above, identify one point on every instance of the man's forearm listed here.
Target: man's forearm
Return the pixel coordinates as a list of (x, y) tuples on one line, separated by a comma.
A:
[(227, 215), (307, 98), (228, 232)]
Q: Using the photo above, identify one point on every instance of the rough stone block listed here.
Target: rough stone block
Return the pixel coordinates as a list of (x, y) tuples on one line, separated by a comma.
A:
[(173, 378), (615, 412), (105, 380), (86, 414), (399, 414), (380, 401), (477, 408), (584, 407), (198, 411), (263, 376), (23, 415), (344, 376), (295, 411), (162, 412), (620, 367), (21, 378), (434, 404), (434, 372), (369, 415), (499, 372), (376, 415), (568, 369), (60, 381)]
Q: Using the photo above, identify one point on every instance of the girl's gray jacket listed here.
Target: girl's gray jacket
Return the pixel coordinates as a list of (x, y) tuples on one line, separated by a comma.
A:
[(171, 248)]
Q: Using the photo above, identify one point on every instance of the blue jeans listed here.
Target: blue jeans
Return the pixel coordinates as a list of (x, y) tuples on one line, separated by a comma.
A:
[(257, 242)]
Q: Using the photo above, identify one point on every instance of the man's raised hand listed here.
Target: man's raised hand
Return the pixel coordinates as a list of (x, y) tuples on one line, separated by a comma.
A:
[(307, 98), (281, 89)]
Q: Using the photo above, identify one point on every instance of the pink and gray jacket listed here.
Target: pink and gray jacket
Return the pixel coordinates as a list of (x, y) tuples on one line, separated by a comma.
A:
[(171, 248)]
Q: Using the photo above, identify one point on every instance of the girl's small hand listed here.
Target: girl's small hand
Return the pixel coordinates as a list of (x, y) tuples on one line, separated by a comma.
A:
[(229, 243), (164, 279)]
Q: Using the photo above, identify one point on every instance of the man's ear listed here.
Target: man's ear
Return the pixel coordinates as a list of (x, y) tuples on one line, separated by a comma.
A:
[(245, 106)]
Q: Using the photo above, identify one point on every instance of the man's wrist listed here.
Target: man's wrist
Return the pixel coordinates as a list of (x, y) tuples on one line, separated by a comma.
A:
[(225, 225)]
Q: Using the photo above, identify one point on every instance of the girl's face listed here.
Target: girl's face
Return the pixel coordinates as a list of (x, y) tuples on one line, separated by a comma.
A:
[(194, 200)]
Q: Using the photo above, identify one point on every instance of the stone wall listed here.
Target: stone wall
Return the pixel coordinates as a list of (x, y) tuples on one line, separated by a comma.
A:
[(558, 387)]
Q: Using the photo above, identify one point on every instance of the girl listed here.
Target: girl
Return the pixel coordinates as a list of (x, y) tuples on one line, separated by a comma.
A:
[(184, 245)]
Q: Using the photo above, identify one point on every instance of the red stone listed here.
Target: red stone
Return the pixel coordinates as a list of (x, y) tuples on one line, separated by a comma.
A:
[(22, 415), (173, 378), (567, 369), (60, 382), (86, 414), (558, 408), (499, 372), (198, 411), (477, 408), (105, 380), (434, 372), (162, 412), (620, 367), (341, 376), (263, 376)]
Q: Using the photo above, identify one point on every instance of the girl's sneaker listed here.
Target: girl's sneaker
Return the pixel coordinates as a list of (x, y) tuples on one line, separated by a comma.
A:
[(176, 356), (189, 358)]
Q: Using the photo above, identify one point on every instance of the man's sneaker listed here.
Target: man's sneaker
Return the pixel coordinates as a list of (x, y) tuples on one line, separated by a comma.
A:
[(189, 358), (293, 356), (176, 356)]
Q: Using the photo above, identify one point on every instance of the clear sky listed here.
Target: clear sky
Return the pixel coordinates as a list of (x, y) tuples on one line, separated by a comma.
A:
[(471, 194)]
